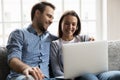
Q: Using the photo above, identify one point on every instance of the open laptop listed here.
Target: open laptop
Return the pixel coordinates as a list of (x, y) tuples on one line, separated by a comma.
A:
[(85, 57)]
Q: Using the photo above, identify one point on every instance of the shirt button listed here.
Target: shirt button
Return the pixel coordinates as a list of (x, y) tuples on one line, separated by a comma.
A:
[(40, 61), (41, 54)]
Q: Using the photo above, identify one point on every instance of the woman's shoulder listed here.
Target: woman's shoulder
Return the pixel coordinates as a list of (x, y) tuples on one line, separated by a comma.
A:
[(82, 37), (56, 42)]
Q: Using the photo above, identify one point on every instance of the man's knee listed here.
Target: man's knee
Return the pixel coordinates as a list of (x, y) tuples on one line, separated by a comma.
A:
[(110, 75), (23, 77), (87, 76), (115, 77)]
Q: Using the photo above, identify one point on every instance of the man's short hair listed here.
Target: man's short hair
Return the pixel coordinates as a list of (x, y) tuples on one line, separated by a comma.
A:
[(41, 7)]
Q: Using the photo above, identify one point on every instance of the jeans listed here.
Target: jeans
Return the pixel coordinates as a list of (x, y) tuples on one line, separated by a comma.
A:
[(23, 77), (110, 75), (87, 76)]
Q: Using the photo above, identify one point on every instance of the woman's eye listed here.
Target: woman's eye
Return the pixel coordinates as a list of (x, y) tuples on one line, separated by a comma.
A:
[(73, 24), (66, 23)]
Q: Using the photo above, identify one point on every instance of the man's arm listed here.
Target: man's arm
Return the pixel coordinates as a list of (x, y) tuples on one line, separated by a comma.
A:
[(17, 65), (20, 67), (14, 47)]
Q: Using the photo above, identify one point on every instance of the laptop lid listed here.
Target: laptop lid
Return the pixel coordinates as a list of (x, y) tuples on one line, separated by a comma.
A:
[(85, 57)]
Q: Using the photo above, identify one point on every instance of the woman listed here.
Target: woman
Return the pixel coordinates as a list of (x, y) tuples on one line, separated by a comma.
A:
[(69, 32)]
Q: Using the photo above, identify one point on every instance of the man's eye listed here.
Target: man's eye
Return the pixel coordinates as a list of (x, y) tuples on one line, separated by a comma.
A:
[(50, 16)]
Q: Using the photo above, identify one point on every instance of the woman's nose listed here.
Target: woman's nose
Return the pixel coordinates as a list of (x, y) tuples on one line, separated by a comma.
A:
[(70, 25)]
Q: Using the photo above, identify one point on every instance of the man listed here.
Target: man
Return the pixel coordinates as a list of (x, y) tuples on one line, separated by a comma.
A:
[(29, 48)]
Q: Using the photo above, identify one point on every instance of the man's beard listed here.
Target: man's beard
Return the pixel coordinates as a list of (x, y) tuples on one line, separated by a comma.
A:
[(42, 29)]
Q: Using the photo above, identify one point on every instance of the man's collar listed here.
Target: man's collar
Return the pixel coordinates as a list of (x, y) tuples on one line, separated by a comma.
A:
[(32, 30)]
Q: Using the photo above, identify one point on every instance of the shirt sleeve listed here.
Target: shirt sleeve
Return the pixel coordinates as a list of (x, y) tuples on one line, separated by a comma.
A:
[(54, 59), (84, 38), (14, 45)]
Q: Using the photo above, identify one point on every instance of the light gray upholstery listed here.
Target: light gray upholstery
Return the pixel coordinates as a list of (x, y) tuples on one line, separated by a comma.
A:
[(114, 55)]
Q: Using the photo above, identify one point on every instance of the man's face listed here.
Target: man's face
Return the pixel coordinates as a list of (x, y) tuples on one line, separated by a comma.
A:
[(45, 19)]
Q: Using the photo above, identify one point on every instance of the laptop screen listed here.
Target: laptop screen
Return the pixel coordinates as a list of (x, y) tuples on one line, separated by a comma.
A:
[(85, 57)]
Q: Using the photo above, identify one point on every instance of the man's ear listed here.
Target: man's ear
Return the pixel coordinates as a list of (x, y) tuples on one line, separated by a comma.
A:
[(37, 12)]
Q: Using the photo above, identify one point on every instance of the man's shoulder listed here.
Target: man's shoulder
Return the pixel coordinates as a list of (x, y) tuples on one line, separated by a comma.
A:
[(24, 30), (16, 31)]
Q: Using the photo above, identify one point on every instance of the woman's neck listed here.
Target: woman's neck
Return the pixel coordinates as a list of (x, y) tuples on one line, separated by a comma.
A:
[(67, 38)]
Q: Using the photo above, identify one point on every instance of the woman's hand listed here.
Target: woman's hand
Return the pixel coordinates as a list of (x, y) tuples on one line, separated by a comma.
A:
[(91, 39), (35, 72)]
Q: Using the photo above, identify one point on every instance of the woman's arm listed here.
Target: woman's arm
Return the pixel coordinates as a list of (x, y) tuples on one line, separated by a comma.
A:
[(54, 56), (85, 38)]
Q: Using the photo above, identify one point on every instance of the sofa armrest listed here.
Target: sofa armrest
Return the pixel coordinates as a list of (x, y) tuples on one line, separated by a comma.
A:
[(4, 68), (114, 55)]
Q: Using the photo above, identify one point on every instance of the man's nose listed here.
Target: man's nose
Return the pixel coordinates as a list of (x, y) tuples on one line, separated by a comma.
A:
[(50, 21)]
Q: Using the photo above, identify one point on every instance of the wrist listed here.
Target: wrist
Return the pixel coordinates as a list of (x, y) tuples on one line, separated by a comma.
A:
[(24, 69)]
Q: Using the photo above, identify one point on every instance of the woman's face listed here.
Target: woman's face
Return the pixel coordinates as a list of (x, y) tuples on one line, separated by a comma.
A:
[(69, 25)]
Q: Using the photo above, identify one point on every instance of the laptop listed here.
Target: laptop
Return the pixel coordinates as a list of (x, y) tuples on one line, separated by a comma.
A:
[(85, 57)]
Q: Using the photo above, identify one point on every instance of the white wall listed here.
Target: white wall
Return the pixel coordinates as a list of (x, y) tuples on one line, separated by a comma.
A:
[(113, 19)]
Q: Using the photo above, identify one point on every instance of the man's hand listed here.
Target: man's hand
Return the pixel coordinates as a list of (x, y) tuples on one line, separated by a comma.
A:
[(35, 72), (20, 67)]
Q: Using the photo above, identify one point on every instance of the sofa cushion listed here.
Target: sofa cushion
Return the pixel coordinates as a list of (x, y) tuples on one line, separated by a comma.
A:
[(114, 55), (4, 69)]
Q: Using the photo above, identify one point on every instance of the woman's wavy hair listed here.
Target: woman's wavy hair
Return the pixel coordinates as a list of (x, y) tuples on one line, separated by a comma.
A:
[(72, 13)]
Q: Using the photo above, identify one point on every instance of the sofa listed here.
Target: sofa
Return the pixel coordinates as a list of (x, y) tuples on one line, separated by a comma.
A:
[(4, 68), (113, 56)]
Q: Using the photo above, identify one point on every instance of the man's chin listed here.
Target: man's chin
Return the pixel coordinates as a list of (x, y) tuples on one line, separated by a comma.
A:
[(42, 29), (46, 28)]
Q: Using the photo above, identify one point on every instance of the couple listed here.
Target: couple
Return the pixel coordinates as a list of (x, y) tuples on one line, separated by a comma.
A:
[(29, 48)]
